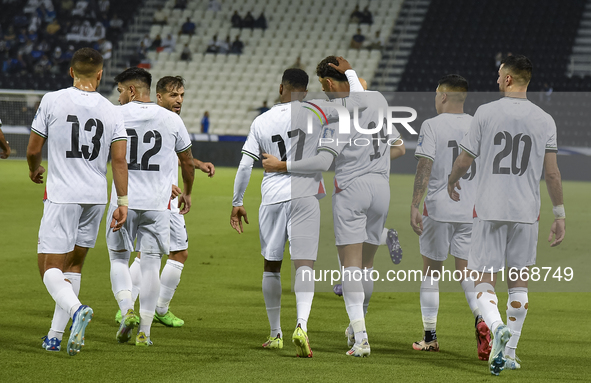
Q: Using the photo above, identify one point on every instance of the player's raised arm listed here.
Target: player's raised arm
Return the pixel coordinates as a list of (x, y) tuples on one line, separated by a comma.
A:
[(554, 186), (421, 182), (119, 166), (188, 174)]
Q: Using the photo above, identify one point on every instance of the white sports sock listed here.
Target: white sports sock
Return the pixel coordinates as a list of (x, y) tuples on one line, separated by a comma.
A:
[(61, 291), (121, 279), (487, 303), (136, 277), (517, 306), (429, 298), (61, 317), (304, 292), (383, 237), (353, 296), (367, 288), (272, 295), (169, 280), (150, 288), (468, 287)]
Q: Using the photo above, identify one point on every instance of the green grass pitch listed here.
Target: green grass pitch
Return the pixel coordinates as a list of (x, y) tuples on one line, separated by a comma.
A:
[(221, 302)]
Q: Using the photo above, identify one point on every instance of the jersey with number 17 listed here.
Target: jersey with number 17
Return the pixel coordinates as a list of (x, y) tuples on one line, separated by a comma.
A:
[(154, 137), (79, 127)]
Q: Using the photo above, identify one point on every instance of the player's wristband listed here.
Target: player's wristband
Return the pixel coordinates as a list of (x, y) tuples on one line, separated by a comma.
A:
[(559, 212), (288, 166), (122, 200)]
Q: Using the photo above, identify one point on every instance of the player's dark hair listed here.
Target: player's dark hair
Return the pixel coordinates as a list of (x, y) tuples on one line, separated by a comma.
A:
[(86, 62), (169, 83), (295, 78), (324, 70), (454, 82), (135, 74), (520, 68)]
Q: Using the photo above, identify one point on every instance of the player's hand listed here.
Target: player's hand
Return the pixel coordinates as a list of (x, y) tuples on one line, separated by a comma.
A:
[(184, 203), (236, 218), (271, 164), (451, 190), (36, 176), (5, 153), (557, 231), (119, 218), (176, 191), (416, 220), (208, 168), (343, 65)]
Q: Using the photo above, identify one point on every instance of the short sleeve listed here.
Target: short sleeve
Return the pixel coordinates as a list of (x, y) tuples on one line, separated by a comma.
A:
[(551, 144), (39, 124), (251, 147), (183, 141), (426, 145), (471, 141), (119, 134)]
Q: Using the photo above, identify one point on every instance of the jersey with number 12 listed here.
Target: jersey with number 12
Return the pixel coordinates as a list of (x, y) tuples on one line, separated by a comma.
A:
[(79, 127)]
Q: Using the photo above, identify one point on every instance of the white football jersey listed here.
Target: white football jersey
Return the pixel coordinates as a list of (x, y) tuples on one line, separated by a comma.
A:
[(154, 137), (79, 127), (439, 141), (359, 153), (510, 136), (281, 132)]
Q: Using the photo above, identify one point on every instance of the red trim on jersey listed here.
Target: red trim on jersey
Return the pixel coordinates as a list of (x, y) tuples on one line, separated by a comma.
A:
[(338, 189), (425, 210), (538, 216), (321, 188), (45, 194), (169, 204), (474, 215)]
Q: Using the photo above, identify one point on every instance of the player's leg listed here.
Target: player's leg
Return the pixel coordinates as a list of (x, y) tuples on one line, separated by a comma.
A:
[(135, 271), (521, 253), (429, 299), (273, 235), (368, 252), (170, 277)]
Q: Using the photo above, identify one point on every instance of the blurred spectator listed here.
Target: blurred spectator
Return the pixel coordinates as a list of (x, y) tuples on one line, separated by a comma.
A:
[(57, 59), (298, 64), (66, 7), (236, 20), (69, 53), (116, 24), (377, 42), (147, 41), (80, 8), (99, 31), (186, 53), (214, 5), (142, 50), (248, 21), (237, 46), (357, 40), (261, 22), (188, 28), (160, 17), (31, 6), (214, 45), (205, 122), (105, 47), (35, 23), (157, 43), (168, 43), (43, 46), (180, 4), (75, 31), (356, 15), (263, 108), (104, 6), (53, 27), (86, 31), (546, 94), (43, 65), (498, 59), (366, 16), (226, 45)]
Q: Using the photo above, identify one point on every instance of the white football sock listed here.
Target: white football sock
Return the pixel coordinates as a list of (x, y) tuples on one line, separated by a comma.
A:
[(468, 287), (272, 295), (304, 292), (150, 288), (61, 291), (367, 288), (487, 303), (135, 271), (517, 306), (429, 298), (169, 280), (121, 279), (383, 237), (61, 317), (353, 296)]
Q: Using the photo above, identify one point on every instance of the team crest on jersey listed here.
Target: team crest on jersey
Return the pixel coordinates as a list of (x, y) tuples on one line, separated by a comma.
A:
[(36, 114), (420, 141), (328, 133)]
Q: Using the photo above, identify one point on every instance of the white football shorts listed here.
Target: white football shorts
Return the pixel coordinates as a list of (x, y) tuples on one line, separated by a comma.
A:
[(151, 229), (179, 240), (440, 238), (297, 220), (360, 210), (499, 243), (64, 225)]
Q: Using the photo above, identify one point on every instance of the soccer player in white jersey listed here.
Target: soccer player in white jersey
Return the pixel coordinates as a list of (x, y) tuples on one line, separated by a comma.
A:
[(444, 226), (289, 208), (80, 126), (513, 140), (170, 93), (362, 194), (155, 135)]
